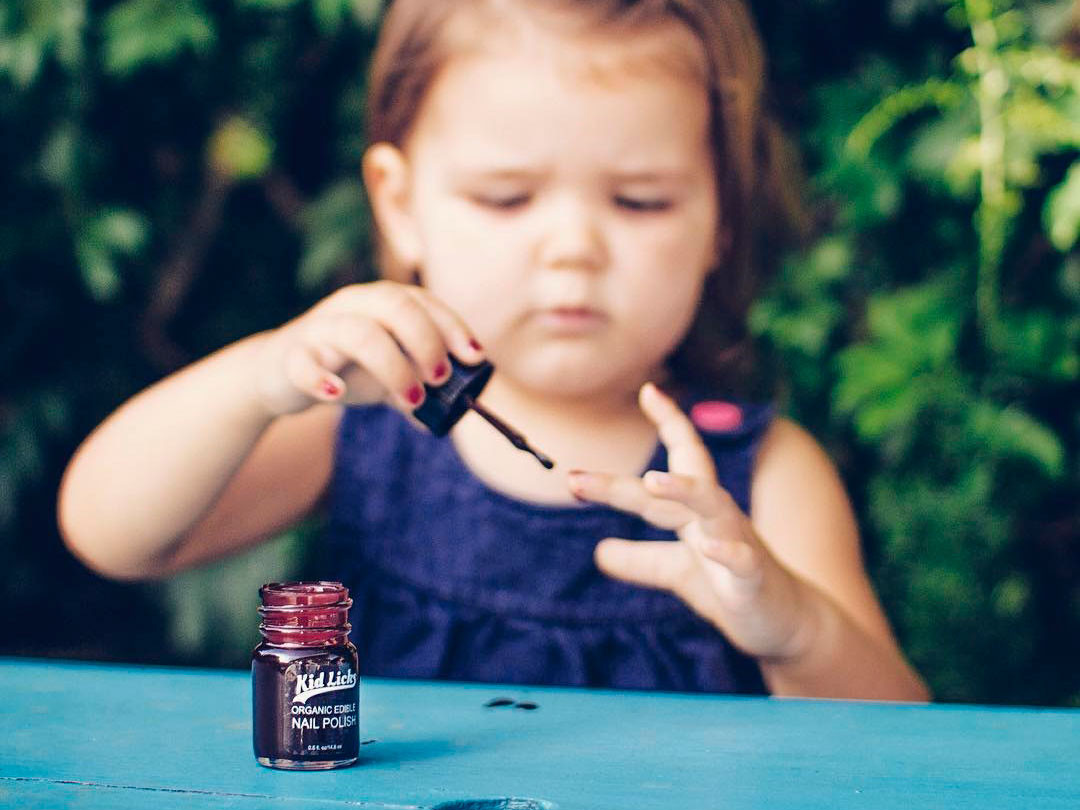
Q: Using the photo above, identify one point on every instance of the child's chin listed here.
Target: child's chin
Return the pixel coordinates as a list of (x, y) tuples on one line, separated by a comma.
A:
[(571, 379)]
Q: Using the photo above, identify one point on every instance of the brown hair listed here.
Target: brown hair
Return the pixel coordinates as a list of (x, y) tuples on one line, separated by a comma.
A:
[(753, 167)]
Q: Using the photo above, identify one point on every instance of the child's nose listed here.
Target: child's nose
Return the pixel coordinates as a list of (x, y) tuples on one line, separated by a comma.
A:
[(574, 238)]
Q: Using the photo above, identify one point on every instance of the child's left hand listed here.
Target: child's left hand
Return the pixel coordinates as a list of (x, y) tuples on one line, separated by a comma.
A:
[(718, 566)]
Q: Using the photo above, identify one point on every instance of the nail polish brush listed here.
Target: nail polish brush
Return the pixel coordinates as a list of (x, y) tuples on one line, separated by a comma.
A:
[(445, 404)]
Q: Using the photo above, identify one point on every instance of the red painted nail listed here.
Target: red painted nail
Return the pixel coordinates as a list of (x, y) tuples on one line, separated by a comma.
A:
[(330, 389), (415, 394), (441, 371), (475, 346)]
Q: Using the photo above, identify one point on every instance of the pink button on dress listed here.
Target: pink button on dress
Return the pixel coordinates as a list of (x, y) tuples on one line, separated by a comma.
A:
[(716, 416)]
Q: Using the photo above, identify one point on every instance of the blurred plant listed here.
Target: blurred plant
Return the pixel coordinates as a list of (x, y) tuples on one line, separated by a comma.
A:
[(176, 162), (960, 381), (179, 173)]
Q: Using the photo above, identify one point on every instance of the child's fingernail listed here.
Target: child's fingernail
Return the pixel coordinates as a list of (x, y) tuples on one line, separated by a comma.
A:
[(475, 345), (441, 370), (330, 388), (415, 394), (578, 479)]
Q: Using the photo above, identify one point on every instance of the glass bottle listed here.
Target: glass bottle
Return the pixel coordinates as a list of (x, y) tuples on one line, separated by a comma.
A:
[(304, 677)]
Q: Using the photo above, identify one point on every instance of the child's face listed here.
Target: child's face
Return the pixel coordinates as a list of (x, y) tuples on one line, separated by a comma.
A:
[(568, 215)]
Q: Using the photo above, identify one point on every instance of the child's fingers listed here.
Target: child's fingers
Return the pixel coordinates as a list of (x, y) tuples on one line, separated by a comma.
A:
[(687, 453), (409, 322), (663, 564), (306, 374), (703, 495), (400, 315), (365, 342), (459, 339), (628, 494), (425, 327), (723, 534), (735, 554)]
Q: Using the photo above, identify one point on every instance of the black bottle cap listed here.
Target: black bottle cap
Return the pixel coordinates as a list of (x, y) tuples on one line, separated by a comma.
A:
[(446, 404)]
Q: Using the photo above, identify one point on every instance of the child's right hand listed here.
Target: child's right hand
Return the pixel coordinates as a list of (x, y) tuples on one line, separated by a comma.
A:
[(363, 343)]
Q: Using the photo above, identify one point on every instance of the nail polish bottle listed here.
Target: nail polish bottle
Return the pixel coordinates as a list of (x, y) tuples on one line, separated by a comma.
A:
[(304, 677)]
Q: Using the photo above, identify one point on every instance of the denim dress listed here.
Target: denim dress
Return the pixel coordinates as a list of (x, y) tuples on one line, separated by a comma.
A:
[(453, 580)]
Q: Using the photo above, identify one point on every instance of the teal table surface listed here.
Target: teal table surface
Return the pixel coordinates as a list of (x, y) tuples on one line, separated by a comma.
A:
[(103, 736)]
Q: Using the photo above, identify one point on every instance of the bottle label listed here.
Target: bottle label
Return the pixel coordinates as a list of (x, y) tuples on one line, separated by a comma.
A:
[(308, 710), (323, 702)]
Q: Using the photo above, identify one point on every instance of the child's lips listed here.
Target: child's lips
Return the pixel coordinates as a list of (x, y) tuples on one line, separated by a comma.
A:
[(571, 320)]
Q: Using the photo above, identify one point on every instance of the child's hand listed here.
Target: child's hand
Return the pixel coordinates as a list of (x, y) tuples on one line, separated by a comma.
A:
[(363, 343), (718, 566)]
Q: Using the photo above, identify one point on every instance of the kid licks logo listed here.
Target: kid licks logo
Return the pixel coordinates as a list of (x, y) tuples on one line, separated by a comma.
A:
[(309, 684)]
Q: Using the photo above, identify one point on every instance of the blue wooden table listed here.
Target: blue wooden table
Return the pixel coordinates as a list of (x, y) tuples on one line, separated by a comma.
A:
[(95, 736)]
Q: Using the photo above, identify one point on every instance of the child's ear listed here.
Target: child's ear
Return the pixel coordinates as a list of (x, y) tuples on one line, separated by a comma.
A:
[(387, 178)]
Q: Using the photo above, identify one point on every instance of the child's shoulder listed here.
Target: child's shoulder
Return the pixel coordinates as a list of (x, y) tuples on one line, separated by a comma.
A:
[(800, 506), (789, 452)]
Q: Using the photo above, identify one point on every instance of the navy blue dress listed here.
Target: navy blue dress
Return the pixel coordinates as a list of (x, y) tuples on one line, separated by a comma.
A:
[(454, 580)]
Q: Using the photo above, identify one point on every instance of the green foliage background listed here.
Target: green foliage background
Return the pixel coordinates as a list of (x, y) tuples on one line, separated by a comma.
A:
[(179, 173)]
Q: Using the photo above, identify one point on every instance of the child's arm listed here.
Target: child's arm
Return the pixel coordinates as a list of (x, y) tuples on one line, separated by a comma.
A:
[(229, 450), (800, 506), (799, 602), (134, 489)]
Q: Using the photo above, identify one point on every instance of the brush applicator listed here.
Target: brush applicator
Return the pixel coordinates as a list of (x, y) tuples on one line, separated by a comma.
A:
[(445, 405)]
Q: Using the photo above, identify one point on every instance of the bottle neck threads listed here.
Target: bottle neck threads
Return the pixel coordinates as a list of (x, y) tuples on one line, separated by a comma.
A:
[(304, 614)]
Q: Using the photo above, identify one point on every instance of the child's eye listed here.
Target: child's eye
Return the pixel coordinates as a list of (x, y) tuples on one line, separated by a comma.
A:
[(643, 203), (501, 203)]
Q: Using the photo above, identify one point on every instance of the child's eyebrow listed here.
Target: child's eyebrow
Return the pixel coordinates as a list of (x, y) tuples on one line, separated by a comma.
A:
[(496, 174), (635, 176), (653, 176)]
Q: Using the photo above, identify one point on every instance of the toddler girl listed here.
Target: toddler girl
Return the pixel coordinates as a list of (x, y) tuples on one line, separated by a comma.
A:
[(566, 188)]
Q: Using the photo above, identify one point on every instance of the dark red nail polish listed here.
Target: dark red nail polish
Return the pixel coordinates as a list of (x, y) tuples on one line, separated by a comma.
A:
[(330, 389), (305, 680), (475, 346), (415, 394), (441, 371)]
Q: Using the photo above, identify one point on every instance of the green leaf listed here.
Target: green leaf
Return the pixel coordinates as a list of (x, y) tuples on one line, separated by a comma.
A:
[(1012, 432), (890, 410), (1061, 214), (106, 236), (98, 272), (121, 230), (333, 231), (1011, 596), (239, 150), (141, 32), (330, 14), (869, 372), (58, 157), (923, 320), (933, 93), (1038, 345), (21, 58)]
